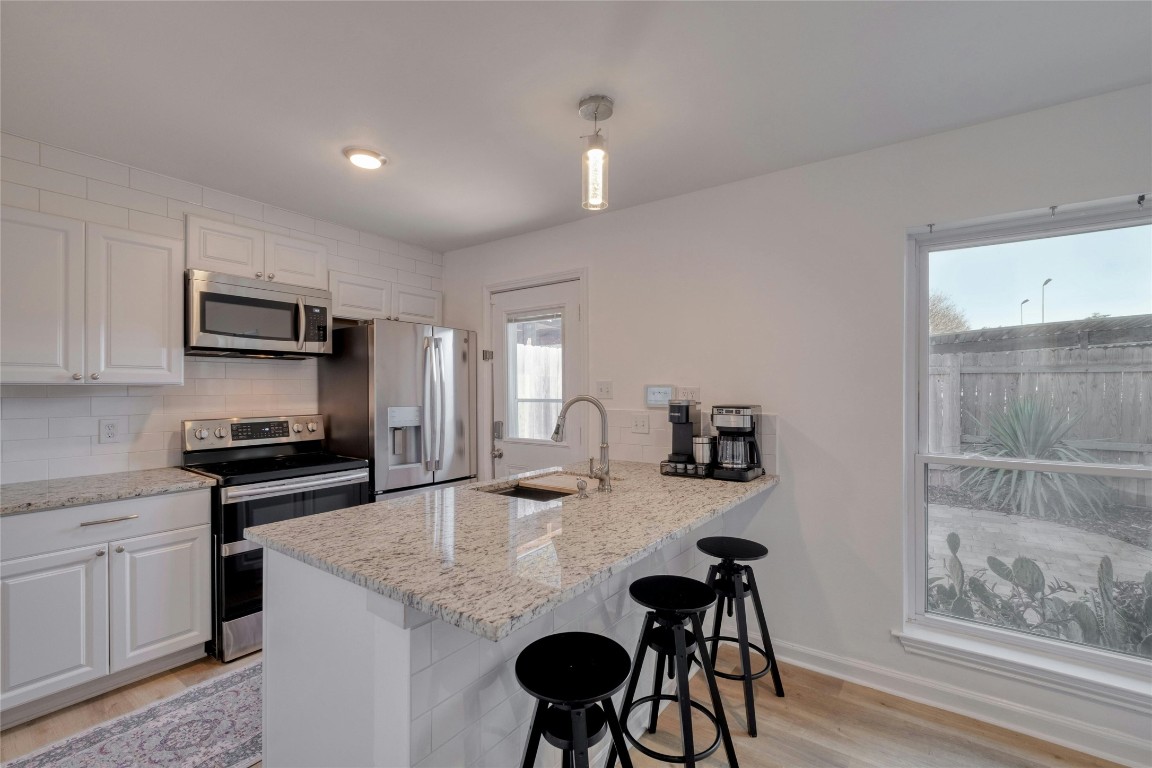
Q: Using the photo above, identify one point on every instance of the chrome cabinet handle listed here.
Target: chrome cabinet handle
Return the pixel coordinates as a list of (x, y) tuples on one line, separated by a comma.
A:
[(119, 549), (109, 520), (77, 377), (259, 274), (271, 276), (95, 376), (99, 553)]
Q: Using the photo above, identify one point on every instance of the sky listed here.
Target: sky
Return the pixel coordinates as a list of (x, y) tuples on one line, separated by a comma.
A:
[(1108, 272)]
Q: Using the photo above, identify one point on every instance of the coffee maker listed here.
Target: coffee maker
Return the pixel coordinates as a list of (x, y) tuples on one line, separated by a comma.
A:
[(686, 457), (737, 442)]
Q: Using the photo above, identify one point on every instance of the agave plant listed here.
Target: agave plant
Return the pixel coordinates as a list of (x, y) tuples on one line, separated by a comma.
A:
[(1032, 429)]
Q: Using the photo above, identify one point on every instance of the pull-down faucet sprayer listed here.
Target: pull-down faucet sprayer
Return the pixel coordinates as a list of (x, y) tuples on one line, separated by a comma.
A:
[(601, 472)]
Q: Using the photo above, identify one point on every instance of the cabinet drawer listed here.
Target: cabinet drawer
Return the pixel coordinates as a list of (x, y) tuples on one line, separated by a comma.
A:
[(56, 529)]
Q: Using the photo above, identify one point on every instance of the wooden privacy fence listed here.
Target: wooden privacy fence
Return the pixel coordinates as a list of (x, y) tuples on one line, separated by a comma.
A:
[(1097, 370)]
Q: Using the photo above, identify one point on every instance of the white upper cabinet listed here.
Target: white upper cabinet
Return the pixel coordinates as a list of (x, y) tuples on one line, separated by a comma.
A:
[(296, 262), (88, 304), (416, 305), (233, 249), (41, 298), (135, 328), (217, 246), (359, 297)]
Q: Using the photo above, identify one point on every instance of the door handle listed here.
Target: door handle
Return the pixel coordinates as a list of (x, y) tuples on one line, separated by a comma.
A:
[(108, 520), (425, 422), (303, 323), (440, 405)]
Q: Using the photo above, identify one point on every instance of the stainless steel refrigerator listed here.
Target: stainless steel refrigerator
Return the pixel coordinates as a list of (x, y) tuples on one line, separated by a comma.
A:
[(404, 396)]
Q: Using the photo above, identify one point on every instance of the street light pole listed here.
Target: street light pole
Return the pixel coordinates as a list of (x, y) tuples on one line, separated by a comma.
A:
[(1042, 298), (1022, 310)]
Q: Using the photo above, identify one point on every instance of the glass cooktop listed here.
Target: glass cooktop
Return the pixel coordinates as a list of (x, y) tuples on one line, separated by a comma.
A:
[(264, 469)]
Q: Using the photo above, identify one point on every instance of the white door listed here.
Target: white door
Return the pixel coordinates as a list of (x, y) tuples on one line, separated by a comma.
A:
[(41, 298), (359, 297), (53, 622), (538, 338), (295, 262), (135, 307), (416, 305), (229, 248), (159, 595)]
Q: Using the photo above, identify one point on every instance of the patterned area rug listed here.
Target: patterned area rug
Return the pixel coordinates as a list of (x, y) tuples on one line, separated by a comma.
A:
[(215, 723)]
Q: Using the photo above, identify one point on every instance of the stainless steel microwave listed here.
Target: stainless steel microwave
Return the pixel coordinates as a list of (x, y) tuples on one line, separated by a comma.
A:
[(229, 316)]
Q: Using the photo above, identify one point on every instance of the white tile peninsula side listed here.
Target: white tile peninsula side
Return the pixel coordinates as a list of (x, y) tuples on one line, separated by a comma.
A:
[(391, 629)]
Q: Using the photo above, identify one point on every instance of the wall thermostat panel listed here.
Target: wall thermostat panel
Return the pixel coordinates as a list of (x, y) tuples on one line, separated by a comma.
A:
[(658, 395)]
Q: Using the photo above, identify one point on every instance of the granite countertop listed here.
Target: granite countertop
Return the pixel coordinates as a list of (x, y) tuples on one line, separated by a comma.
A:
[(490, 564), (40, 495)]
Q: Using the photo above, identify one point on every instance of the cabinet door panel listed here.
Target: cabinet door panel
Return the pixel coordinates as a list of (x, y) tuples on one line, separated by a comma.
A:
[(160, 589), (53, 623), (41, 298), (135, 326), (416, 305), (221, 247), (359, 297), (296, 262)]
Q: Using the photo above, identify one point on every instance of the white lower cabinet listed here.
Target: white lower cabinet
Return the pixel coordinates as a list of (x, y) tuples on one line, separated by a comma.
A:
[(123, 583), (53, 622)]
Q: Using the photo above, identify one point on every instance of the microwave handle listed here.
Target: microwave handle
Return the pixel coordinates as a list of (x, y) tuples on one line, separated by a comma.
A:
[(303, 323)]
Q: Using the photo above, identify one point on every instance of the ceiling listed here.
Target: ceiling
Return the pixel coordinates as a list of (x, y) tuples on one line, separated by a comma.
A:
[(475, 102)]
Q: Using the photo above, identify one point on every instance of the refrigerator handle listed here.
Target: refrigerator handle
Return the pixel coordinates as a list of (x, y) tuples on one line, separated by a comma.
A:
[(440, 405), (426, 406)]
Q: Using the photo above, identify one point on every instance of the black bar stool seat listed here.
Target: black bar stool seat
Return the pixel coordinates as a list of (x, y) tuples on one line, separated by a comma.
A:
[(572, 676), (672, 629), (732, 584)]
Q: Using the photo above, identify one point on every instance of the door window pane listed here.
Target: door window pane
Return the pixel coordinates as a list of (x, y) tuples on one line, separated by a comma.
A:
[(535, 344)]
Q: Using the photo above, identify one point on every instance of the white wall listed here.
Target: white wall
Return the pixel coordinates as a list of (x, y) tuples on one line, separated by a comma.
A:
[(787, 290), (49, 432)]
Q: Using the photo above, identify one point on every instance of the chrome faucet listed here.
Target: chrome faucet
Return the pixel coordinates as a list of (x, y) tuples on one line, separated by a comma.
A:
[(601, 472)]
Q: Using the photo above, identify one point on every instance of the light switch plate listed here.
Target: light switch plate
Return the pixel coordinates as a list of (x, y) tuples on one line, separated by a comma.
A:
[(640, 423), (604, 390)]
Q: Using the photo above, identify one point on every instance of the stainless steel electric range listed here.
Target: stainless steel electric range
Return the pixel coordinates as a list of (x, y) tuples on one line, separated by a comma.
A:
[(267, 469)]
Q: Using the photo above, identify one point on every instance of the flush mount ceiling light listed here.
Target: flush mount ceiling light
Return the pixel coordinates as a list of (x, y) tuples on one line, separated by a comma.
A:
[(365, 158), (595, 158)]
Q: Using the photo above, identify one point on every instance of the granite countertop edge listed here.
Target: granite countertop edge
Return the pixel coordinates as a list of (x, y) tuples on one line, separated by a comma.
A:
[(496, 631), (47, 495)]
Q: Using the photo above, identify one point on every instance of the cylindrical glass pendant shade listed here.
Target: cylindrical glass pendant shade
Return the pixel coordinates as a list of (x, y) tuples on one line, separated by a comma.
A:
[(595, 174)]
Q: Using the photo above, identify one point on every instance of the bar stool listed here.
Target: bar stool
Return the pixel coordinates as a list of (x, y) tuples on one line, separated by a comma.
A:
[(733, 583), (572, 676), (675, 603)]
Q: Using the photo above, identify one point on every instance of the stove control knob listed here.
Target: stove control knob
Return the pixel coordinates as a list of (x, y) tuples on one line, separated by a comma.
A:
[(220, 432), (311, 426), (200, 434), (297, 427)]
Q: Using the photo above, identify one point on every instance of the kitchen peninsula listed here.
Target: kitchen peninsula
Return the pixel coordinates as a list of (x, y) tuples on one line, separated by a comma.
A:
[(390, 630)]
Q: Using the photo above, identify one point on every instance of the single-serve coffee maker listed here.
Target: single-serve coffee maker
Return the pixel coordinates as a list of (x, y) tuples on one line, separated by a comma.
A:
[(691, 453), (737, 442)]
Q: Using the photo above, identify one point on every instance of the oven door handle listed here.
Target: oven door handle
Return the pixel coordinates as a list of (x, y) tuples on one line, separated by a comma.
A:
[(239, 547), (303, 330), (242, 493)]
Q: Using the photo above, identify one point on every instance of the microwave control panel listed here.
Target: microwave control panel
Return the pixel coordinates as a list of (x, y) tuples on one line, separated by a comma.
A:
[(317, 323)]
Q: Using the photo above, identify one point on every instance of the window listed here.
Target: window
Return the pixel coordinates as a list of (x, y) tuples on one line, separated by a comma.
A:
[(535, 373), (1031, 476)]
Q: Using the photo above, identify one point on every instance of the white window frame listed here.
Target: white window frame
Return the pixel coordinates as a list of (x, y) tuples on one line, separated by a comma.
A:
[(1098, 674)]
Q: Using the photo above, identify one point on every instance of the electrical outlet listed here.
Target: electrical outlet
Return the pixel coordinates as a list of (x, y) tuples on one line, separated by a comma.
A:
[(113, 430), (688, 393), (639, 423), (604, 390)]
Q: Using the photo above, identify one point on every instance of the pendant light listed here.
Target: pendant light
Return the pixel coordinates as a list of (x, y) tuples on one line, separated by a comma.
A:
[(594, 162)]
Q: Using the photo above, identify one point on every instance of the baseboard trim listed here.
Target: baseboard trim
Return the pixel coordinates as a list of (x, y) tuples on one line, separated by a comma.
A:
[(33, 709), (1056, 729)]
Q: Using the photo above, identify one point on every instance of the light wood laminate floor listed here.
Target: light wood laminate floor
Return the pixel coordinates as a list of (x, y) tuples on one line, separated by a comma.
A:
[(823, 722)]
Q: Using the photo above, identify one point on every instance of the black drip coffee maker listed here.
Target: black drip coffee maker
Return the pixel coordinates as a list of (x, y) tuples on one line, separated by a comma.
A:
[(737, 442)]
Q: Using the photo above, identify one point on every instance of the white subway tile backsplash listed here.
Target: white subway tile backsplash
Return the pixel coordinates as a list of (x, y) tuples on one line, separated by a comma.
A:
[(23, 471), (196, 368), (425, 268), (19, 149), (35, 407), (420, 738), (341, 264), (415, 252), (327, 242), (260, 224), (20, 196), (124, 406), (88, 465), (42, 178), (379, 243), (155, 422), (79, 390), (45, 448), (241, 206), (114, 194), (359, 253), (438, 258), (155, 224), (222, 387), (83, 165), (25, 429), (401, 263), (337, 232), (444, 678), (375, 270), (79, 208), (75, 426), (411, 278), (177, 209), (289, 219), (166, 186), (153, 459), (437, 284)]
